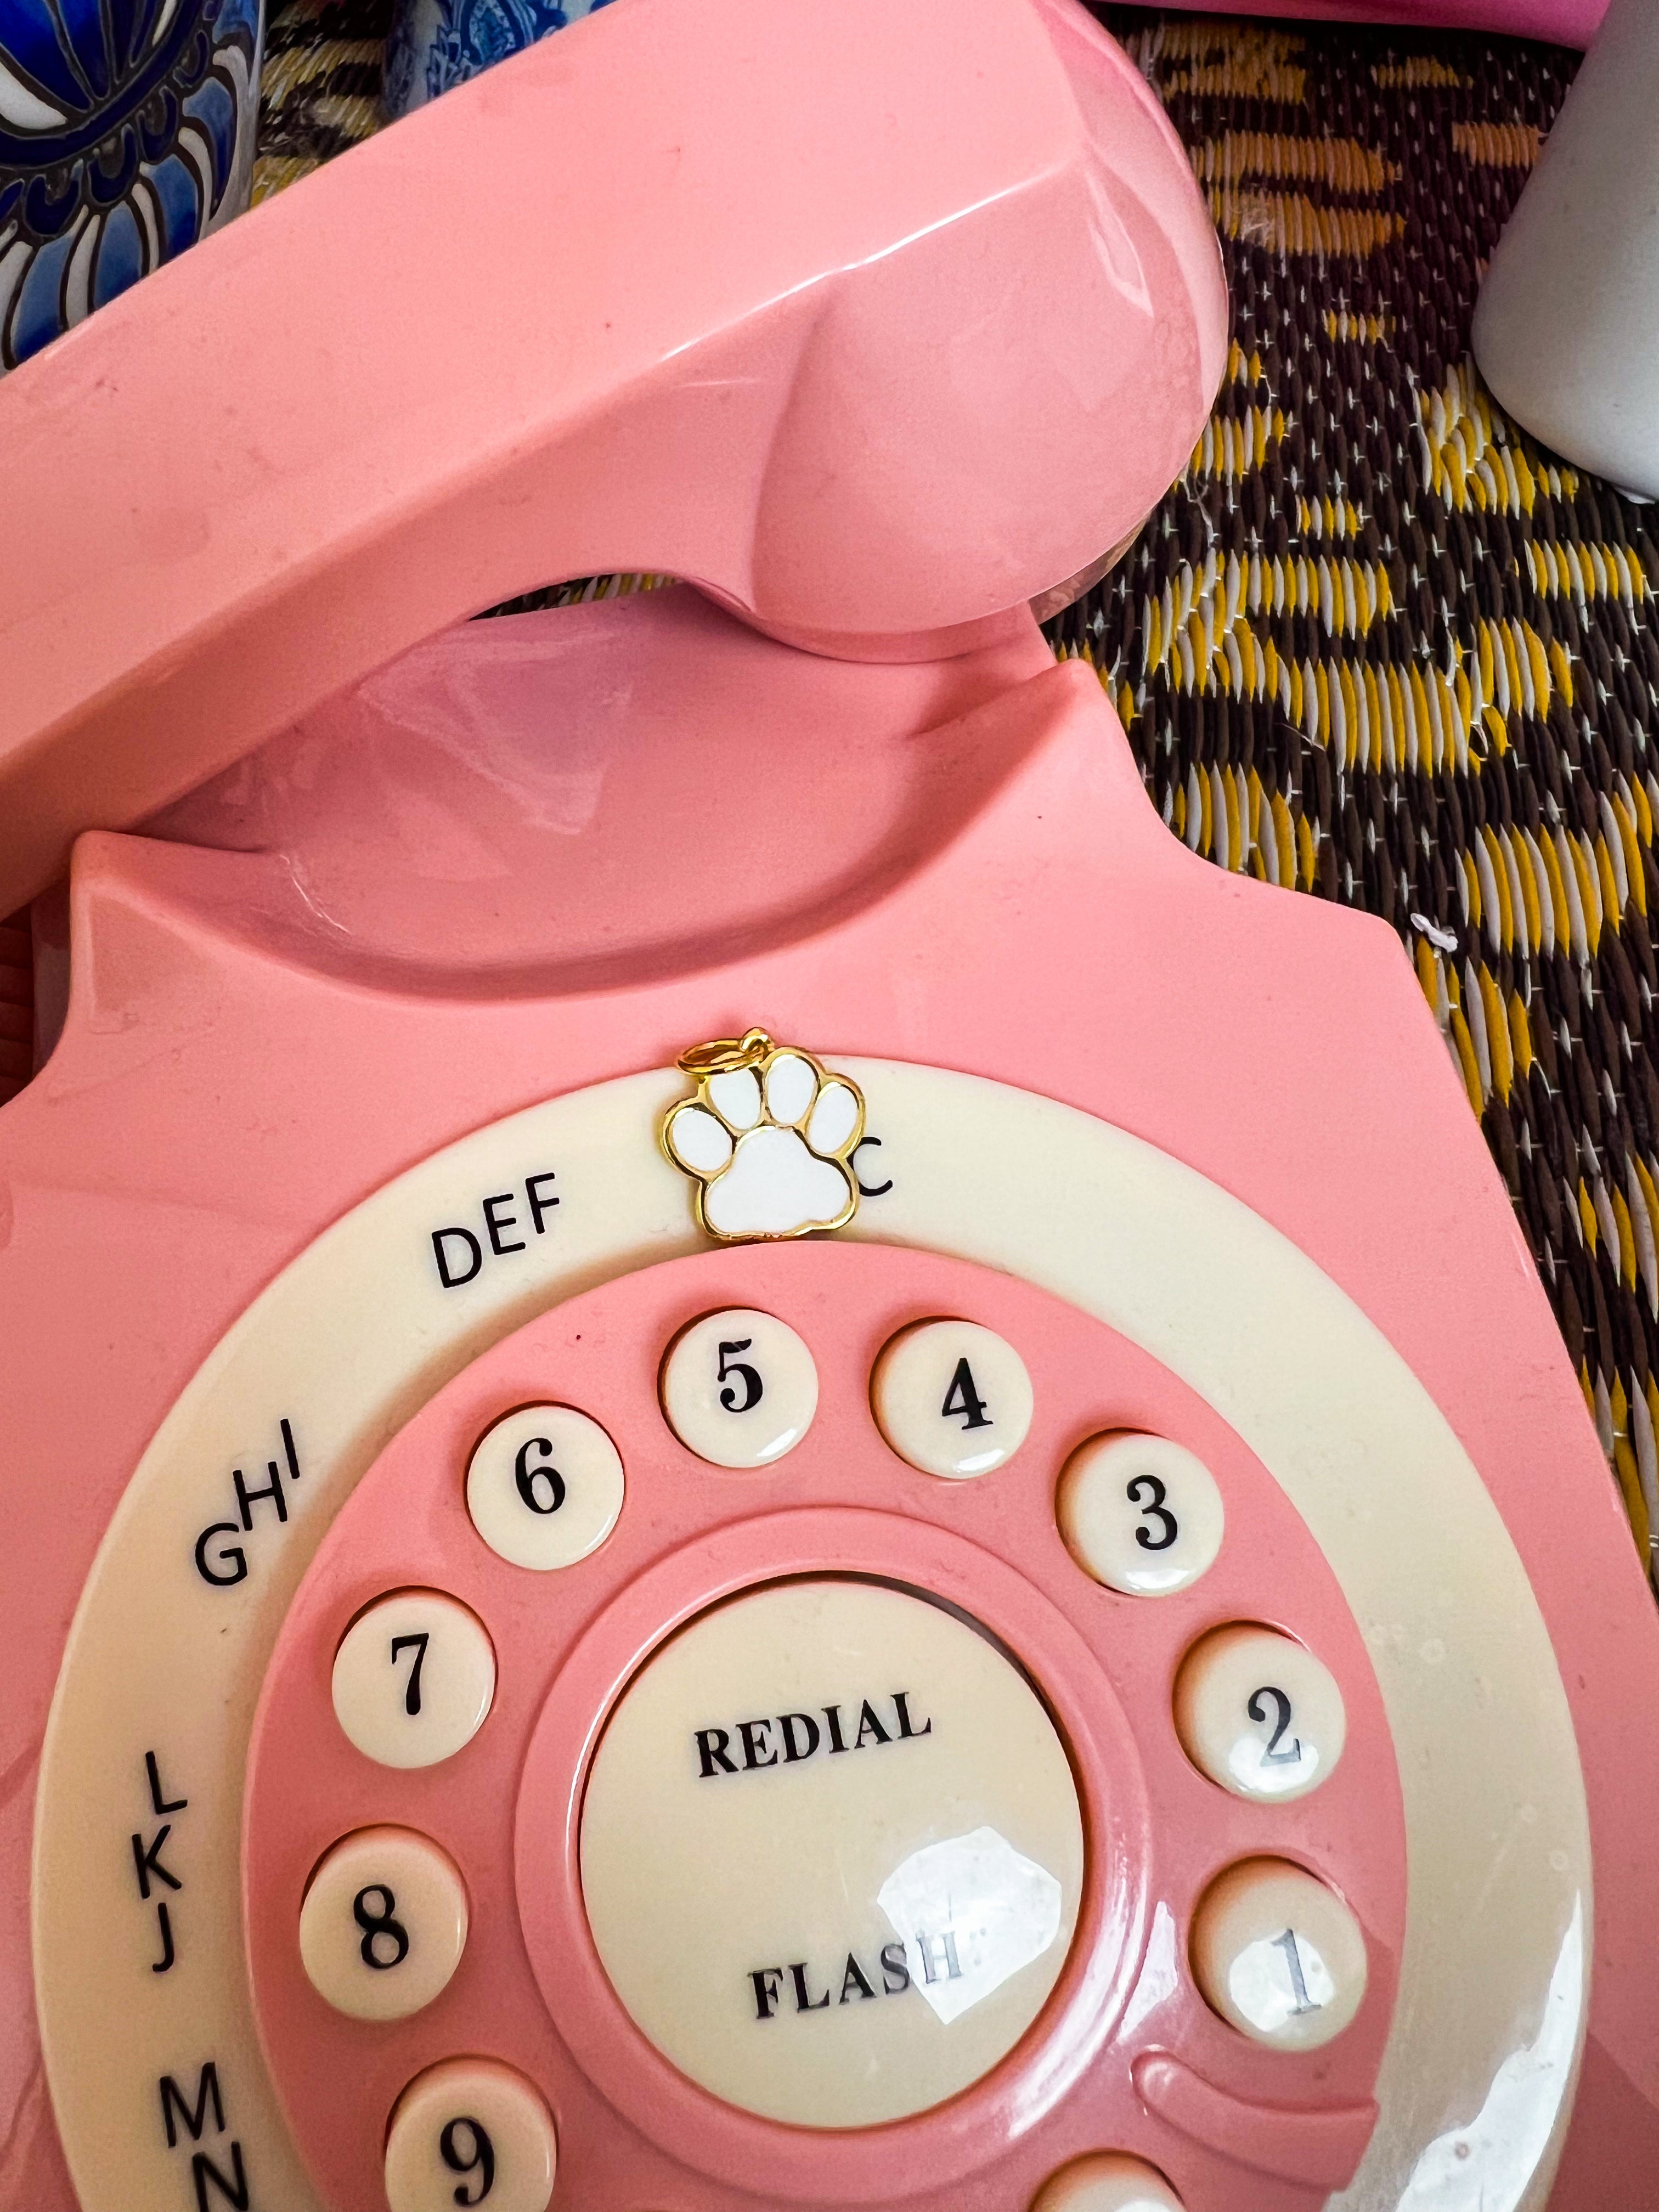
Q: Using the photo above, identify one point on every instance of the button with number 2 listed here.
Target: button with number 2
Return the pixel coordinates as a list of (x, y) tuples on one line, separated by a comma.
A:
[(1139, 1514), (739, 1388), (470, 2131)]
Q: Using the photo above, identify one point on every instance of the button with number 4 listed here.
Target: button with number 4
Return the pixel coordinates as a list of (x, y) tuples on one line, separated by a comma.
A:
[(384, 1924), (952, 1398), (1139, 1514), (545, 1487), (414, 1677), (739, 1388), (470, 2131), (1278, 1955), (1259, 1714)]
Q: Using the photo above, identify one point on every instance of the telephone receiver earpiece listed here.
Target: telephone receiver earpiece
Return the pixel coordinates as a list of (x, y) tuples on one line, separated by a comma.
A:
[(875, 322)]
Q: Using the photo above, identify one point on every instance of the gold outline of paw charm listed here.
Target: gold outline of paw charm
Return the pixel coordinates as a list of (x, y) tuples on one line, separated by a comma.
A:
[(767, 1139)]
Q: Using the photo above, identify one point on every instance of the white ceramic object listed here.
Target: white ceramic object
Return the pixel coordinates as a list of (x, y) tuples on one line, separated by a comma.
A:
[(1566, 332)]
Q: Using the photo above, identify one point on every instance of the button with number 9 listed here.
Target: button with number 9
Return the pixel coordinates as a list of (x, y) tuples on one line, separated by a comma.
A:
[(1139, 1514), (1259, 1714), (470, 2131), (739, 1388), (545, 1487), (952, 1398), (384, 1924), (414, 1677)]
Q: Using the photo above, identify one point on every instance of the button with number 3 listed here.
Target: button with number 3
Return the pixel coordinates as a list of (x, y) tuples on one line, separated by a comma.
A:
[(1278, 1955), (545, 1487), (470, 2131), (739, 1388), (1139, 1514), (952, 1398), (414, 1677), (1259, 1714), (384, 1924)]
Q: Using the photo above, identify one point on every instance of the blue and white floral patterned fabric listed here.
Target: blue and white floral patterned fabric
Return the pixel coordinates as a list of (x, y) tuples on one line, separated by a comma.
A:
[(126, 131), (435, 44)]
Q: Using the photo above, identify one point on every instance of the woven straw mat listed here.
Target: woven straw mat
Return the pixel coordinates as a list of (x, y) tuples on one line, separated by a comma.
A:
[(1374, 646)]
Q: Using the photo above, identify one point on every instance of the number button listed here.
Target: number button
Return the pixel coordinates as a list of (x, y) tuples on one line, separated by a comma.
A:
[(952, 1398), (1139, 1514), (545, 1487), (739, 1388), (413, 1678), (1278, 1955), (1259, 1714), (384, 1924), (1108, 2182), (470, 2132)]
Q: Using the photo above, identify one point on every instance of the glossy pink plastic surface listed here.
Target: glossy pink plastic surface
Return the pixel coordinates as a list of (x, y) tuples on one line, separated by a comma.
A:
[(229, 1080), (422, 382), (1570, 22), (566, 1645)]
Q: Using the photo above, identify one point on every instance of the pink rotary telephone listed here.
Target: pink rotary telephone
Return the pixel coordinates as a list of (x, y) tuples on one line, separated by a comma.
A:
[(746, 1462)]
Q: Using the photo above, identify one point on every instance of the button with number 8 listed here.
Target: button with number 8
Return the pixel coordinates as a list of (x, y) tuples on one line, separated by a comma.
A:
[(1259, 1714), (739, 1388), (413, 1678), (384, 1924), (545, 1487), (470, 2131), (1139, 1514), (1278, 1955), (952, 1398)]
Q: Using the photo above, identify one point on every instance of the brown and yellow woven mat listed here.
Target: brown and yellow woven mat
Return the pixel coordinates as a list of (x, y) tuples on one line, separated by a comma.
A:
[(1374, 646)]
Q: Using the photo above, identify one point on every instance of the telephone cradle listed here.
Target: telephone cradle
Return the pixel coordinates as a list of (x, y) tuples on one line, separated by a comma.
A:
[(751, 1459)]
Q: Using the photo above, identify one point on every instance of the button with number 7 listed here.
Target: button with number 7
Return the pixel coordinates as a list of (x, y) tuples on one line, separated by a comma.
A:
[(414, 1678)]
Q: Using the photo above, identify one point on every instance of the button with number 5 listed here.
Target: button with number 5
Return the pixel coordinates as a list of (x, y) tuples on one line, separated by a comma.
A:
[(470, 2131), (384, 1924), (739, 1388), (1139, 1514), (545, 1487), (1259, 1714), (952, 1398), (414, 1677)]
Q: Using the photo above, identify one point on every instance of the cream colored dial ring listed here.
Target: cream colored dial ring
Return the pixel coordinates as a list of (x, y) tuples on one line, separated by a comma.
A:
[(178, 1616)]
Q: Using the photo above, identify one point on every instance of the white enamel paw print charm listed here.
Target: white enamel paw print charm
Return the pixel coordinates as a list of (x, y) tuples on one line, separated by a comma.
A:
[(767, 1139)]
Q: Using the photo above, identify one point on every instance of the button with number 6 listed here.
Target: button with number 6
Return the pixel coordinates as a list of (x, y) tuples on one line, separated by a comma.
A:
[(470, 2131), (384, 1924), (952, 1398), (1259, 1714), (413, 1678), (739, 1387), (1139, 1514), (545, 1487)]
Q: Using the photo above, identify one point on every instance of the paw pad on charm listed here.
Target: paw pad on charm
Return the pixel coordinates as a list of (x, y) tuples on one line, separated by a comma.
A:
[(767, 1139)]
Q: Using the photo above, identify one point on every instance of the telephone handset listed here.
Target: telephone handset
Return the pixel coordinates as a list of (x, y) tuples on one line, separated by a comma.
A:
[(742, 1468)]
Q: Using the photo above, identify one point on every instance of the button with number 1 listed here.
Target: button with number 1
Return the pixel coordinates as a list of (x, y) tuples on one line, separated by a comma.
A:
[(739, 1387), (952, 1398)]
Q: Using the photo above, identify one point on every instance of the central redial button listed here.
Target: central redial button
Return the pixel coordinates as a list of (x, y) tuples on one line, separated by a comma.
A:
[(832, 1853)]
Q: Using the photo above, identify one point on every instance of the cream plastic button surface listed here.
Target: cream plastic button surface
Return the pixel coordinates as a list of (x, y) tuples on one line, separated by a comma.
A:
[(831, 1853), (545, 1487), (384, 1924), (739, 1388), (1259, 1714), (1108, 2182), (413, 1678), (952, 1398), (1139, 1514), (470, 2131), (1278, 1955)]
